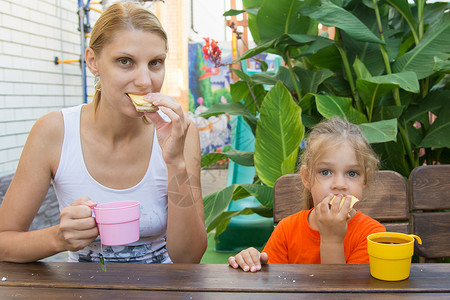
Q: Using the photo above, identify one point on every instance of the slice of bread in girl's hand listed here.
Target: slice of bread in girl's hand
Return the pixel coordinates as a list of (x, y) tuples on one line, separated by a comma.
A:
[(141, 105), (352, 204)]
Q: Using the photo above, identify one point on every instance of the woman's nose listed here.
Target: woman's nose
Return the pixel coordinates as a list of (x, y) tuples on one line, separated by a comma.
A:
[(143, 78)]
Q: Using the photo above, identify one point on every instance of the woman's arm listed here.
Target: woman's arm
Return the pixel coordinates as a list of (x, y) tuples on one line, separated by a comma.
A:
[(37, 165), (186, 233), (180, 144)]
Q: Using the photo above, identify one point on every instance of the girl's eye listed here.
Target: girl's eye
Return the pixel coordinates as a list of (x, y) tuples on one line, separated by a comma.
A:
[(352, 173), (124, 61), (324, 172)]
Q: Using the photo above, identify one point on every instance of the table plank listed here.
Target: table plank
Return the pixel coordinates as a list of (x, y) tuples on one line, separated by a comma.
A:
[(425, 278), (62, 293)]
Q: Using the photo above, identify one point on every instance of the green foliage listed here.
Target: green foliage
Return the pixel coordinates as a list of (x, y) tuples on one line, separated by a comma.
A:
[(386, 70)]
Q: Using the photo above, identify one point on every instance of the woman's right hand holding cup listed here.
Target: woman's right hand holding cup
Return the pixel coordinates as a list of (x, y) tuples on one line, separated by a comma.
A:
[(77, 227)]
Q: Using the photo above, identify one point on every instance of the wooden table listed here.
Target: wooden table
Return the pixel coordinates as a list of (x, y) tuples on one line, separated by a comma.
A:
[(130, 281)]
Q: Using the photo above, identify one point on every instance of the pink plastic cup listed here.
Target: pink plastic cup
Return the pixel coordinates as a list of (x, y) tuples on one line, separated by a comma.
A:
[(118, 222)]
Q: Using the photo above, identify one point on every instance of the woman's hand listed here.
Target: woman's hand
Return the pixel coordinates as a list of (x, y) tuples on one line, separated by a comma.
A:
[(249, 260), (171, 135), (77, 227)]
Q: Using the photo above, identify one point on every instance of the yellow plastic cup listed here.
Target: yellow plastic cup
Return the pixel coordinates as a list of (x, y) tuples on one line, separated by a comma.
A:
[(390, 254)]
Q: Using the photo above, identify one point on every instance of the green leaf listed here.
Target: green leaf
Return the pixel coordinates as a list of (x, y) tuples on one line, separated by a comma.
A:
[(330, 106), (405, 80), (255, 51), (233, 108), (441, 65), (233, 12), (242, 75), (252, 7), (403, 8), (216, 203), (435, 43), (278, 134), (392, 156), (332, 15), (387, 112), (360, 69), (243, 158), (433, 102), (310, 80), (224, 219), (380, 132), (438, 134), (279, 17)]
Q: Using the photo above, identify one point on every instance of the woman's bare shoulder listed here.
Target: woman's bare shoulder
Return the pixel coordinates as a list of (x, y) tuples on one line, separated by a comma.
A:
[(49, 127)]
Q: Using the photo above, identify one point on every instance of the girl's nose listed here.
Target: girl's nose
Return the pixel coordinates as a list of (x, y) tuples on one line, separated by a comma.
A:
[(339, 184)]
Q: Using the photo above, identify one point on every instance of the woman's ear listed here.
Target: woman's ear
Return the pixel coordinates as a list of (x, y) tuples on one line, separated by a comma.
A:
[(305, 177), (91, 61)]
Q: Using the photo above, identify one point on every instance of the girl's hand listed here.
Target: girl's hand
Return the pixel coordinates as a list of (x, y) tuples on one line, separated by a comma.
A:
[(171, 135), (77, 227), (331, 220), (249, 260)]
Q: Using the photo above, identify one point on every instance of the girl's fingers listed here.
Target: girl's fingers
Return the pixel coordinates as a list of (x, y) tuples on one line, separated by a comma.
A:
[(232, 262)]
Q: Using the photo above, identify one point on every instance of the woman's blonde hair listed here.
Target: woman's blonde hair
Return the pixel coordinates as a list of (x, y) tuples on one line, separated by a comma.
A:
[(120, 16), (328, 134)]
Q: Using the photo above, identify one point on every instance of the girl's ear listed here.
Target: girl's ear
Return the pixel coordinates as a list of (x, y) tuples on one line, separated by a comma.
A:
[(91, 61), (366, 175), (305, 177)]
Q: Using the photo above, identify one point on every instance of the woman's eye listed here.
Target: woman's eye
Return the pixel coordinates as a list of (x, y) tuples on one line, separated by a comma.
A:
[(324, 172), (155, 63), (352, 173)]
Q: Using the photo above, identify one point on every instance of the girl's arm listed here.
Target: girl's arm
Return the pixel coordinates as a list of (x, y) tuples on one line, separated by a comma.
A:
[(332, 224), (37, 165)]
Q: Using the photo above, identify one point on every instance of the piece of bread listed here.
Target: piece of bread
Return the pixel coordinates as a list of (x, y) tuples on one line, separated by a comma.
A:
[(354, 202), (141, 105)]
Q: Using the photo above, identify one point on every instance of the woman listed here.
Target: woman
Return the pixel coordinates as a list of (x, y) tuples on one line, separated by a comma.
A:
[(106, 151)]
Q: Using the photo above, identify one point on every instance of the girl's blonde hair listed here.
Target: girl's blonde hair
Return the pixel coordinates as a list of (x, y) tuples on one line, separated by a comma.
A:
[(328, 134), (122, 16)]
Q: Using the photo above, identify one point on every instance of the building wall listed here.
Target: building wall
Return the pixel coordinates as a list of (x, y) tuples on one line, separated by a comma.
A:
[(32, 34)]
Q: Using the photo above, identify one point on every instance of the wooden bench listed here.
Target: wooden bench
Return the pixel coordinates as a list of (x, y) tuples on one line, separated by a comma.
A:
[(429, 188), (386, 200)]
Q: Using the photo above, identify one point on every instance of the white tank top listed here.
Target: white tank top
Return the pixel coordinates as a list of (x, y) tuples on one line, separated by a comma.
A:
[(72, 181)]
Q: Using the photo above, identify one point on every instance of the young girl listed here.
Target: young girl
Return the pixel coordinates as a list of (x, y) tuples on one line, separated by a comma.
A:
[(339, 161), (106, 151)]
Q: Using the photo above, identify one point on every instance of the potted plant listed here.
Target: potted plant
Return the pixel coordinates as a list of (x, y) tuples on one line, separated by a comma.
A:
[(386, 69)]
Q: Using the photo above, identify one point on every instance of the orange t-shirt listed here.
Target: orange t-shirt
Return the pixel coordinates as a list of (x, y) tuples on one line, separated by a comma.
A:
[(294, 242)]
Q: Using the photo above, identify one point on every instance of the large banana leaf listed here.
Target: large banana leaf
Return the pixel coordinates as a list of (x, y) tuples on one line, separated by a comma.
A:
[(384, 84), (381, 131), (278, 134), (332, 15), (435, 43), (275, 18), (402, 7), (252, 7), (329, 106)]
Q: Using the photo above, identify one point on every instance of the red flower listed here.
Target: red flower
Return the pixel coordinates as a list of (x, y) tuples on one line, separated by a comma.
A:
[(212, 52)]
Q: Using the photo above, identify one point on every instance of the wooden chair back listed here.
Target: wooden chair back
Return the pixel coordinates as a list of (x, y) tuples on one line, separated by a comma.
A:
[(386, 201), (429, 194)]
